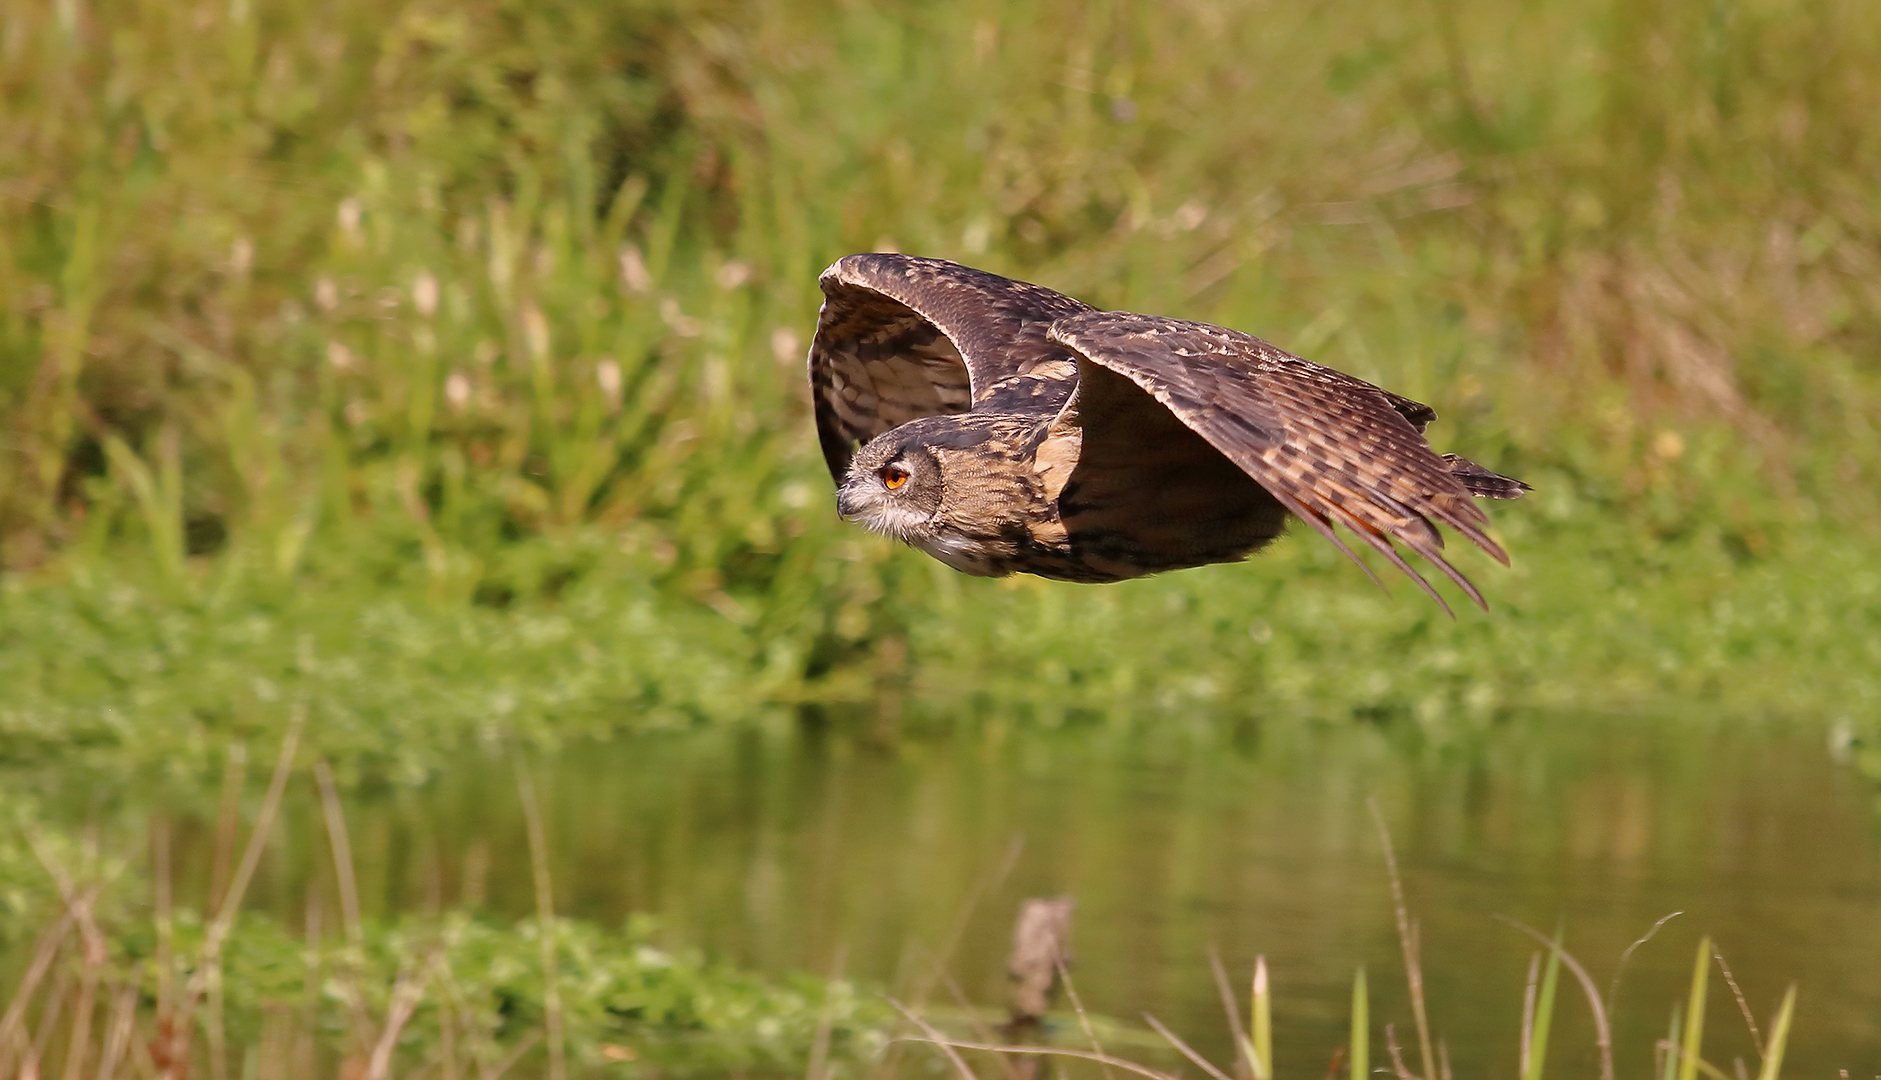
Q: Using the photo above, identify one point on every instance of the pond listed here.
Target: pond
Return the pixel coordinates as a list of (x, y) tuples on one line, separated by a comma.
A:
[(799, 849)]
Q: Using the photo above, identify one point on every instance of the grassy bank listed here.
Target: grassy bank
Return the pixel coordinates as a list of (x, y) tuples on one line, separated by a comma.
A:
[(114, 666), (121, 961), (441, 366)]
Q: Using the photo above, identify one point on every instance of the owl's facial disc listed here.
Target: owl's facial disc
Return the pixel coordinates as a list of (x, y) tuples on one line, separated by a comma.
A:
[(893, 490)]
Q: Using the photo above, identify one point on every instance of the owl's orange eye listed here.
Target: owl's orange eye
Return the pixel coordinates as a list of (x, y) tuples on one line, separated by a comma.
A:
[(893, 476)]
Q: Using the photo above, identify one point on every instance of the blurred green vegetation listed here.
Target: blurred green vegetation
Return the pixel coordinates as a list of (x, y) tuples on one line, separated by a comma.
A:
[(319, 990), (439, 364)]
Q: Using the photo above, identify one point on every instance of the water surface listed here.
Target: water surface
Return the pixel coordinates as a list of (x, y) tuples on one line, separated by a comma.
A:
[(786, 851)]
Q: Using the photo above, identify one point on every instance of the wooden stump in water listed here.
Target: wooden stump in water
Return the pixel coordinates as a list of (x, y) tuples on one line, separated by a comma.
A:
[(1040, 946)]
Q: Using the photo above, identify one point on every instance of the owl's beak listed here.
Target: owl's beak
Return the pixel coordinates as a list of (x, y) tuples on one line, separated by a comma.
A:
[(847, 506)]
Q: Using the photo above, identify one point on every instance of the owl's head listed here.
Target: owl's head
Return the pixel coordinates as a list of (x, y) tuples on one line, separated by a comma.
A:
[(894, 488)]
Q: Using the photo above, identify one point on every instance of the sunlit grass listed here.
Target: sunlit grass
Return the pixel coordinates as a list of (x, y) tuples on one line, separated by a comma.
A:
[(1677, 1057), (482, 327)]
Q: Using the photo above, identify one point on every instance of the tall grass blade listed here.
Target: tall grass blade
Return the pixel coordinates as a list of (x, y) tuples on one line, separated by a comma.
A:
[(1694, 1034), (1262, 1023), (1544, 1014), (1669, 1063), (1361, 1028), (1529, 988), (1779, 1037), (158, 494)]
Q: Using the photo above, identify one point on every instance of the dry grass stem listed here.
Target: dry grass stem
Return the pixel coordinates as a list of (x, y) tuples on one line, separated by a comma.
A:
[(1613, 988), (499, 1066), (1041, 1051), (78, 910), (818, 1066), (12, 1024), (1407, 940), (208, 971), (983, 1031), (304, 1047), (342, 854), (118, 1031), (1397, 1055), (1183, 1048), (1603, 1033), (163, 914), (48, 1024), (407, 992), (935, 1038), (346, 980), (1077, 1006), (1756, 1037), (1226, 992), (545, 914), (1779, 1037), (228, 820)]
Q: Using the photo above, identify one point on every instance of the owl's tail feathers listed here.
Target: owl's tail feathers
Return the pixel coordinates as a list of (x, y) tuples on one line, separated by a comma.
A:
[(1481, 482)]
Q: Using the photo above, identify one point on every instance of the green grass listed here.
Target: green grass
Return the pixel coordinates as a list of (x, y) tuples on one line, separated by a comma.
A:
[(452, 355), (109, 663), (1678, 1055), (153, 981)]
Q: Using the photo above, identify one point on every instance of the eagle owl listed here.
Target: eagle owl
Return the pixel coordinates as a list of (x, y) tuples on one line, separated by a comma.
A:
[(1002, 427)]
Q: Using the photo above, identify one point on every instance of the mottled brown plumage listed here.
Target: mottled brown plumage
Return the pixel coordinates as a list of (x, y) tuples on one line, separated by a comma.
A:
[(1002, 427)]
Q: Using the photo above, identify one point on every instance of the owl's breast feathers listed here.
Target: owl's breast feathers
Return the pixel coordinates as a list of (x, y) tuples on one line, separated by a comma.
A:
[(1022, 494)]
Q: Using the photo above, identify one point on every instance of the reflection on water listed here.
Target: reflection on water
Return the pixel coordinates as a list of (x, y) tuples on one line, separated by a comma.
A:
[(781, 851)]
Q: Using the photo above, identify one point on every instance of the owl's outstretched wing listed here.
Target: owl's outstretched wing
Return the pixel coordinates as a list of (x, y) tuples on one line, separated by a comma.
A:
[(1331, 448), (901, 337)]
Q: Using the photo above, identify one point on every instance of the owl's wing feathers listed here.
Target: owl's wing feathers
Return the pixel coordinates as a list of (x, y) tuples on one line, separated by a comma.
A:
[(1331, 448), (901, 337)]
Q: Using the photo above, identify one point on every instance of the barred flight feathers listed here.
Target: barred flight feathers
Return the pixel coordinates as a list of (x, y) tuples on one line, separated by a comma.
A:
[(1331, 448), (1004, 427), (901, 337)]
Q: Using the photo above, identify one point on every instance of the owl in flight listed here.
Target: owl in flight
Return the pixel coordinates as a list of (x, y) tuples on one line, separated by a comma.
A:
[(1001, 427)]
